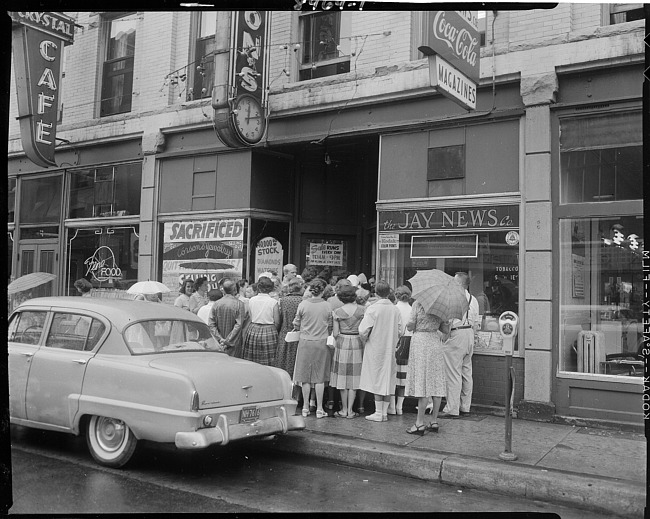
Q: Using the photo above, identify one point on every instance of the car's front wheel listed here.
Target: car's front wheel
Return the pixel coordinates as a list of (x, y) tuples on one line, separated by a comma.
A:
[(110, 441)]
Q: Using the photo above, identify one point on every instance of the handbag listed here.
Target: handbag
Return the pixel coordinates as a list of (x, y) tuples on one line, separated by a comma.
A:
[(403, 350), (292, 336), (330, 341)]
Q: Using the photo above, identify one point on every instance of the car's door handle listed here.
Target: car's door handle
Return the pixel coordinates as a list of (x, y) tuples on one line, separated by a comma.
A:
[(27, 354), (80, 361)]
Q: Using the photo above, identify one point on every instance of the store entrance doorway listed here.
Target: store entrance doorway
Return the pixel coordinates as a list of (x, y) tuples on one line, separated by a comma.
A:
[(332, 252), (39, 256)]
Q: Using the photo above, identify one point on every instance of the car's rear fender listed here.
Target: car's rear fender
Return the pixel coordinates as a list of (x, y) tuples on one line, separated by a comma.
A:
[(148, 400)]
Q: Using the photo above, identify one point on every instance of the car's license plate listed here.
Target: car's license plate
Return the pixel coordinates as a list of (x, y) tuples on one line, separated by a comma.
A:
[(249, 414)]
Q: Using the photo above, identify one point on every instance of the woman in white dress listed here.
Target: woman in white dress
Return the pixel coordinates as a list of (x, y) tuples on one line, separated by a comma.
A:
[(381, 327)]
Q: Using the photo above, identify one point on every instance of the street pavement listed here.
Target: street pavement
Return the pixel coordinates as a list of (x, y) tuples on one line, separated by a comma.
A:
[(594, 469)]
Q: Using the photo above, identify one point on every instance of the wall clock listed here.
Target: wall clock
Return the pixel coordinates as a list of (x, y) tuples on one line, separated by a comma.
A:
[(249, 121)]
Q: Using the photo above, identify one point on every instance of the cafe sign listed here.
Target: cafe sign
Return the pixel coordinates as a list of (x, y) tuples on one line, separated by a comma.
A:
[(465, 218), (38, 39)]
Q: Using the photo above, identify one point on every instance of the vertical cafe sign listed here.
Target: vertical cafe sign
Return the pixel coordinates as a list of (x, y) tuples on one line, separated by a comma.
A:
[(38, 39)]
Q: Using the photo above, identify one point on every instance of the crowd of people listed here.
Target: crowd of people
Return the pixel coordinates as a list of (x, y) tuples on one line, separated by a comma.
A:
[(333, 332)]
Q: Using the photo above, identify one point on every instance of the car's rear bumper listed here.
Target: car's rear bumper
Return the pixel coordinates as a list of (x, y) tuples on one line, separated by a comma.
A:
[(224, 433)]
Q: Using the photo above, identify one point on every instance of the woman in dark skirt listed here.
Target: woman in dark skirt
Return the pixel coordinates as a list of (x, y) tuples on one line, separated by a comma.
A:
[(313, 359), (285, 356), (261, 339)]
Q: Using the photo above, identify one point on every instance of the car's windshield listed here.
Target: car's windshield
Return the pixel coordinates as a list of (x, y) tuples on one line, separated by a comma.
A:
[(169, 335)]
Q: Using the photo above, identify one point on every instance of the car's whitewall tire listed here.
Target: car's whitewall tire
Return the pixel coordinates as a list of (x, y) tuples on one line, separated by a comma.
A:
[(110, 441)]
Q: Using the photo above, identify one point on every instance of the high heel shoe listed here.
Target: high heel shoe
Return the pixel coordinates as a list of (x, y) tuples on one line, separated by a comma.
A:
[(417, 429), (433, 427)]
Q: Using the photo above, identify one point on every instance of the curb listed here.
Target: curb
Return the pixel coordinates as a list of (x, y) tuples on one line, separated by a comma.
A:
[(598, 494)]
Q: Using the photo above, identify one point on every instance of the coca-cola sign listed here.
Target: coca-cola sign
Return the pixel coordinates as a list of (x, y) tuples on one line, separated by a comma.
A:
[(454, 35)]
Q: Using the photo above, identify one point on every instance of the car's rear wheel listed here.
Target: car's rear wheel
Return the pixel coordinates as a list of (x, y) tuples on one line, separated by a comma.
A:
[(110, 441)]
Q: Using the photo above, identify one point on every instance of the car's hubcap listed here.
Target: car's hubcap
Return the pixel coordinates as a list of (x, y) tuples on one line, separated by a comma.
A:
[(110, 433)]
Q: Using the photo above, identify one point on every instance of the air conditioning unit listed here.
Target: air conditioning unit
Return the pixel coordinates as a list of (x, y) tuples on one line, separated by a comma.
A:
[(591, 351)]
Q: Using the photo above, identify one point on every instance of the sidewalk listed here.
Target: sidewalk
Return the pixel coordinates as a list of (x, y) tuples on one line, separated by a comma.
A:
[(594, 469)]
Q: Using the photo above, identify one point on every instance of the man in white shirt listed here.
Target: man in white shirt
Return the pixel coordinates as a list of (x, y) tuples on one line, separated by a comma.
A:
[(458, 350), (204, 312)]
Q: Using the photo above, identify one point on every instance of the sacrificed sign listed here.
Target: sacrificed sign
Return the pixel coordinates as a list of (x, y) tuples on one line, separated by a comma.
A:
[(38, 39)]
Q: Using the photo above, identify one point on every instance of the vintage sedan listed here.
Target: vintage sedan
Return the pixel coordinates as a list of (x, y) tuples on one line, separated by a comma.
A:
[(120, 371)]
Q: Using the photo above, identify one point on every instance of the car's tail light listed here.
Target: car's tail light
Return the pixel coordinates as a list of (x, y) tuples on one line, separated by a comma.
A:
[(207, 420), (195, 401)]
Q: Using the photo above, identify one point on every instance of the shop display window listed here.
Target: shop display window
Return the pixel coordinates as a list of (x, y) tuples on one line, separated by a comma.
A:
[(269, 241), (601, 295), (491, 258), (40, 200), (105, 256), (106, 191), (213, 248)]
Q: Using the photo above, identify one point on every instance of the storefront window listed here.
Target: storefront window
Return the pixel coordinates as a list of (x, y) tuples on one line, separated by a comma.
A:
[(213, 248), (601, 295), (482, 241), (329, 256), (41, 200), (105, 256), (105, 191), (269, 247), (601, 158)]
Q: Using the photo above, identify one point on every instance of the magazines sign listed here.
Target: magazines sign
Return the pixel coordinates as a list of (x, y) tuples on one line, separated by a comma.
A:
[(452, 83), (38, 39)]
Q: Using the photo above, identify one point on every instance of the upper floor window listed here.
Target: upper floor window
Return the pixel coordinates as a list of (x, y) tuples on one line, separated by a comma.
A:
[(482, 26), (621, 13), (601, 158), (105, 191), (117, 76), (201, 78), (325, 44)]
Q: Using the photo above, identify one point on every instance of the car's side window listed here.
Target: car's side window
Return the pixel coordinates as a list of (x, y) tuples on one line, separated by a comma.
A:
[(96, 332), (27, 327), (74, 332)]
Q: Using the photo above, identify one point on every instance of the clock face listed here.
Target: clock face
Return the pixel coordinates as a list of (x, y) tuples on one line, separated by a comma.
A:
[(249, 119)]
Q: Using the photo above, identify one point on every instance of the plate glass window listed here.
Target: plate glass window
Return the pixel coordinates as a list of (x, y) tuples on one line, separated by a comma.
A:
[(117, 79), (105, 191), (601, 295)]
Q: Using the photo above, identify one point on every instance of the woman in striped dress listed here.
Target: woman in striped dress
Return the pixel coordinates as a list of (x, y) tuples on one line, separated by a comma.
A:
[(402, 295), (261, 339), (348, 355), (313, 359)]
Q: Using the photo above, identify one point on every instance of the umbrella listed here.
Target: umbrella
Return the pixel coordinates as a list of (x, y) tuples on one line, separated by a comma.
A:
[(147, 287), (439, 294), (206, 264), (29, 281)]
